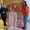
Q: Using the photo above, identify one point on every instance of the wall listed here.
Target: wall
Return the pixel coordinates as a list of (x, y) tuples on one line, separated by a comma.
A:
[(1, 2), (13, 1)]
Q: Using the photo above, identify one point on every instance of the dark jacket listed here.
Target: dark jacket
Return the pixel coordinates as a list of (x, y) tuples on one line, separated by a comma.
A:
[(3, 12)]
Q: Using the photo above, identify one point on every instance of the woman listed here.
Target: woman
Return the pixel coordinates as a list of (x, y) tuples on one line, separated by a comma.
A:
[(4, 10), (25, 13)]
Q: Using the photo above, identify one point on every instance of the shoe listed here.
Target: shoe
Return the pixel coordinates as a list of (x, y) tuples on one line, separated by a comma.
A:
[(23, 28)]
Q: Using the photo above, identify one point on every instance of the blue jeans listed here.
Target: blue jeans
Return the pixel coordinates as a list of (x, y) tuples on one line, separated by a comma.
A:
[(25, 21)]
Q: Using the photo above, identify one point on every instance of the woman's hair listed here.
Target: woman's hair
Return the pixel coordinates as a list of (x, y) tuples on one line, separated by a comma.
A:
[(25, 3), (4, 3)]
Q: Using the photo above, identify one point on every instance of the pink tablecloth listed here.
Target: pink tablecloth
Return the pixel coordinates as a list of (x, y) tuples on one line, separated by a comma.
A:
[(12, 19)]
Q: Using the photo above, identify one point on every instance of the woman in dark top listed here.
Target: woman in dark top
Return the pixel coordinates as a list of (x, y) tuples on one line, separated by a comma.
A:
[(3, 13)]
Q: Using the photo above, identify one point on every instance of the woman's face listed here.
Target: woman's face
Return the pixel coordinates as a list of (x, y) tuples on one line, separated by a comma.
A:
[(24, 3), (4, 5)]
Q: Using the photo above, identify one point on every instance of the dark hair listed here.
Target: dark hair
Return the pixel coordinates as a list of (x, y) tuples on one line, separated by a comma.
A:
[(25, 3), (4, 3)]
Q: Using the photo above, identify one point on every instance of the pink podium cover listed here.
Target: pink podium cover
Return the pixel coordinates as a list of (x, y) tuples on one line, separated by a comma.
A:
[(12, 19)]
